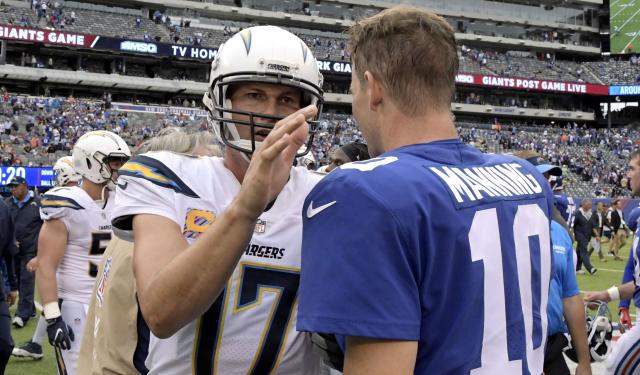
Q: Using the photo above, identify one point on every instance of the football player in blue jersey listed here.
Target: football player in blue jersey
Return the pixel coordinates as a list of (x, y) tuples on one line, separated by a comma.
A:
[(623, 306), (625, 356), (447, 270)]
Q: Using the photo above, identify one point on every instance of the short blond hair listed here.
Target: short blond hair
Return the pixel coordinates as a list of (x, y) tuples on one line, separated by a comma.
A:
[(413, 53), (176, 140)]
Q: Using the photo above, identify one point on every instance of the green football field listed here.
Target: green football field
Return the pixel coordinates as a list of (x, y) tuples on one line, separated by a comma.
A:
[(609, 273), (625, 26)]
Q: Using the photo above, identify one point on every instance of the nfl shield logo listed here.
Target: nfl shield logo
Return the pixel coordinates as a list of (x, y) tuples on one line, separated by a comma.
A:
[(261, 226)]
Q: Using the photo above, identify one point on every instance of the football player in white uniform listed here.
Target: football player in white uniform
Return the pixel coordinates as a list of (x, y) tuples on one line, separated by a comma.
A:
[(625, 356), (111, 341), (72, 239), (66, 176), (217, 240)]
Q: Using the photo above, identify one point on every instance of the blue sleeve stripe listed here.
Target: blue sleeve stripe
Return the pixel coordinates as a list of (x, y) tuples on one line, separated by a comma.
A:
[(157, 173), (57, 201)]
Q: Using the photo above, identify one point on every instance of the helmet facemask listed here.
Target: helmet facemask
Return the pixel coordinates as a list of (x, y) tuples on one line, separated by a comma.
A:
[(226, 127), (105, 170), (599, 333)]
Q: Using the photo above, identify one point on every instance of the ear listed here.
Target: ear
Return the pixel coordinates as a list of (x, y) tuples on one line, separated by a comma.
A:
[(374, 90)]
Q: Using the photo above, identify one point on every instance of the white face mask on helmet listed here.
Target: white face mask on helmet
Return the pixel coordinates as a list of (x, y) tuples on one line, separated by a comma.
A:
[(92, 152), (260, 54), (63, 169)]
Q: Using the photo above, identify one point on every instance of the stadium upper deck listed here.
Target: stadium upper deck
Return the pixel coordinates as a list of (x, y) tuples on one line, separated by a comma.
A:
[(527, 59)]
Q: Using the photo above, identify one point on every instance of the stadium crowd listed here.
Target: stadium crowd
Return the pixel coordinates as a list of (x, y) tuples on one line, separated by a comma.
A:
[(592, 159), (35, 131), (163, 27)]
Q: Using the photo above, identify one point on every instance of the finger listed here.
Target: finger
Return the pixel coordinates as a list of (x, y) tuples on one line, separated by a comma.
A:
[(291, 122), (299, 135), (308, 112), (285, 126), (276, 149), (297, 139)]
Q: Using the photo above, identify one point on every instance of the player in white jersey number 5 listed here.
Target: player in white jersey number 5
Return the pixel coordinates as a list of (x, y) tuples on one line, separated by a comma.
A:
[(72, 239), (217, 240)]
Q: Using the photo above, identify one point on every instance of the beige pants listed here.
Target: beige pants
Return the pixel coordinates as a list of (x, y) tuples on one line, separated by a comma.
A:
[(618, 240)]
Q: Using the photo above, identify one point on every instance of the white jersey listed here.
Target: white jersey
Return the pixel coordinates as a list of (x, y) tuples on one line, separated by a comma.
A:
[(251, 327), (88, 233)]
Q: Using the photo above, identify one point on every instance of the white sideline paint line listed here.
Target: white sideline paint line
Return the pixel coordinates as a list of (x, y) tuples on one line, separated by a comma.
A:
[(630, 18), (610, 270), (622, 9)]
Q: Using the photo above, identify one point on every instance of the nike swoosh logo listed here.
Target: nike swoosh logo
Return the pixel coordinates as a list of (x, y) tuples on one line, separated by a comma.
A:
[(311, 212), (123, 186)]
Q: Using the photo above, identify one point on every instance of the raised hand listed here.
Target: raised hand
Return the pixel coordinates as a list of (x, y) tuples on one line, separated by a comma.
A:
[(271, 164)]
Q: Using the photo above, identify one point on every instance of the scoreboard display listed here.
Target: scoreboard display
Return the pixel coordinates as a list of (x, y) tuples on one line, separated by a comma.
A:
[(35, 176), (624, 26)]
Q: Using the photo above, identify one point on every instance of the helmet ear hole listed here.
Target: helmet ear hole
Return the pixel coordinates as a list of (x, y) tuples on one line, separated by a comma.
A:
[(88, 163)]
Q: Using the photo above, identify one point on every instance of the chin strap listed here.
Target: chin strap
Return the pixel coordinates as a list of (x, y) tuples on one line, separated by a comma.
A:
[(245, 157), (104, 196)]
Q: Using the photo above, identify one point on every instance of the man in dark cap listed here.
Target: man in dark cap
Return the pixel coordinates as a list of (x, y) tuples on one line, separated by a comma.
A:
[(25, 212), (354, 151)]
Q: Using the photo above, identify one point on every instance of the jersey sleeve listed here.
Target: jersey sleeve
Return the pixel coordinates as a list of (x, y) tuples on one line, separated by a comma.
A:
[(353, 239), (570, 284), (145, 185), (628, 276), (56, 205)]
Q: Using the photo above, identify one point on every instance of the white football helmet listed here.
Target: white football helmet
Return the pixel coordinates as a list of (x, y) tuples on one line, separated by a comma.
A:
[(92, 152), (260, 54), (599, 333), (63, 169)]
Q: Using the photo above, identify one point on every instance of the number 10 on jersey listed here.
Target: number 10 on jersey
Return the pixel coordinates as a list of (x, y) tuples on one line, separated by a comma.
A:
[(533, 259)]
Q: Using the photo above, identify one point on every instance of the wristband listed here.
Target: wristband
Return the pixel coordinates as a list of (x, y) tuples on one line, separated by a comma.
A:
[(51, 310), (614, 293)]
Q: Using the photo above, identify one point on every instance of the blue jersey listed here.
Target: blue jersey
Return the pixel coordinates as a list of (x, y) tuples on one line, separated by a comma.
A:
[(635, 252), (563, 283), (436, 243), (629, 271), (567, 208)]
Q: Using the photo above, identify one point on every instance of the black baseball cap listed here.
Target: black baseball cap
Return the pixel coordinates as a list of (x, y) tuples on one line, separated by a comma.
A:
[(17, 180)]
